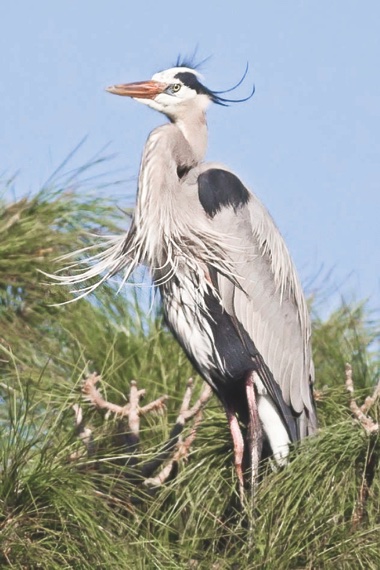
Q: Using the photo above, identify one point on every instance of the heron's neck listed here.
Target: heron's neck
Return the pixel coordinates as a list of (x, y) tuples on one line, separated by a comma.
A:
[(194, 128), (166, 155)]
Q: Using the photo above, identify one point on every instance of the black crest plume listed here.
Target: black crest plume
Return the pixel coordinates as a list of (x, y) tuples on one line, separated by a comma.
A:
[(215, 96)]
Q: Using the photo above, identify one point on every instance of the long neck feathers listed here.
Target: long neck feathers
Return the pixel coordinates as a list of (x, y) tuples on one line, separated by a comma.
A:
[(161, 230), (170, 152)]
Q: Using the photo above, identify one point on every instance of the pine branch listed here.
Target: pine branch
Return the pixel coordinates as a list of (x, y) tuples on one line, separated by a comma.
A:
[(175, 449), (370, 427)]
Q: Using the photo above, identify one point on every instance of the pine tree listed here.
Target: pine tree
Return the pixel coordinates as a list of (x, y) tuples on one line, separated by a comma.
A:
[(75, 490)]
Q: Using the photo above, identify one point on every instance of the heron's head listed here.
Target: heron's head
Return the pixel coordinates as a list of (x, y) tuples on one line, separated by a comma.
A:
[(173, 92)]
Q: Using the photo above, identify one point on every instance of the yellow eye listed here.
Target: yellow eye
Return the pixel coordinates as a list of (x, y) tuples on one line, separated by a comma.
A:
[(176, 87)]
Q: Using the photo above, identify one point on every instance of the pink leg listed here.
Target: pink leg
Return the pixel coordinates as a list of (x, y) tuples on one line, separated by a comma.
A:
[(255, 434), (238, 442)]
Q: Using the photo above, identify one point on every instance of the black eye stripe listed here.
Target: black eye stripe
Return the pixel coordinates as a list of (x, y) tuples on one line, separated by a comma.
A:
[(191, 80)]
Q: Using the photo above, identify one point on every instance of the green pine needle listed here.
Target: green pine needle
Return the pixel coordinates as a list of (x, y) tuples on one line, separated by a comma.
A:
[(57, 512)]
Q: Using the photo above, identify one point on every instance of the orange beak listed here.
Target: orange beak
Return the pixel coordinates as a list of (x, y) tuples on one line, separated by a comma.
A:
[(139, 90)]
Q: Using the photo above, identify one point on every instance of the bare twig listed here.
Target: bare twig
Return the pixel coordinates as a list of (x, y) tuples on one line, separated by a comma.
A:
[(361, 412), (5, 386), (84, 433), (175, 449), (370, 400), (371, 427), (182, 447), (92, 394)]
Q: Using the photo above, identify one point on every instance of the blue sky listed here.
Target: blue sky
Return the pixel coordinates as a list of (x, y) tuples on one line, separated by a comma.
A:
[(308, 142)]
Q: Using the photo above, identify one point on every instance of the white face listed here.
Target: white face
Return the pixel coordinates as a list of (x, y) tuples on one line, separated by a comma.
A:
[(177, 95)]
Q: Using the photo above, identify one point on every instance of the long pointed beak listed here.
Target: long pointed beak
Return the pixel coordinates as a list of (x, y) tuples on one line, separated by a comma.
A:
[(140, 89)]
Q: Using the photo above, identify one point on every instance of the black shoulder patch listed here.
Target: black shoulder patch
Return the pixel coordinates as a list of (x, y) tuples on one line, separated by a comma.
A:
[(218, 188)]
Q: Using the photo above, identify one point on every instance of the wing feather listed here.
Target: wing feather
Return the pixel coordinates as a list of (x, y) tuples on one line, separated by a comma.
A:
[(266, 297)]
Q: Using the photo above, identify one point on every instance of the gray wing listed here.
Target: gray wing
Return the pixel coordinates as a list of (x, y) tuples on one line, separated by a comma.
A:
[(262, 290)]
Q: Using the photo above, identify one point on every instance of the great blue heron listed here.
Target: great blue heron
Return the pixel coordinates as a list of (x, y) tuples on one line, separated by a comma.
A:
[(230, 292)]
